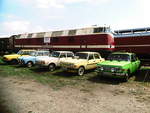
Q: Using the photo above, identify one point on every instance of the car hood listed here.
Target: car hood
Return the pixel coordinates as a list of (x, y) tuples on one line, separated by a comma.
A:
[(45, 58), (26, 57), (73, 61), (114, 63), (12, 55)]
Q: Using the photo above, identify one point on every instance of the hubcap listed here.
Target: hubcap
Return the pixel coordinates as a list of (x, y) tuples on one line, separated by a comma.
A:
[(81, 71), (51, 67), (29, 64)]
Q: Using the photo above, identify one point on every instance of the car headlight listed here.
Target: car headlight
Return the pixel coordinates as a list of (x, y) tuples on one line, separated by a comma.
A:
[(73, 66), (113, 69), (116, 69), (101, 68)]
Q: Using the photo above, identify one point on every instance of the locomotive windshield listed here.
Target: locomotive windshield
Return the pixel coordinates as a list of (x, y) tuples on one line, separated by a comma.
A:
[(101, 29)]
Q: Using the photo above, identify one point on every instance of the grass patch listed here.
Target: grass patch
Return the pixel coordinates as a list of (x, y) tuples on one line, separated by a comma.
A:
[(56, 79), (145, 68)]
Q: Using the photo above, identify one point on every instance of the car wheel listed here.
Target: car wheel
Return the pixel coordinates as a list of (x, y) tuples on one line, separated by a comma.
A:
[(29, 64), (100, 74), (81, 71), (126, 78), (51, 67), (14, 61)]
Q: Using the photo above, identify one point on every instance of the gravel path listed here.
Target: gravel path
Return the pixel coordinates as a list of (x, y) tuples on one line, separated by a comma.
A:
[(27, 96)]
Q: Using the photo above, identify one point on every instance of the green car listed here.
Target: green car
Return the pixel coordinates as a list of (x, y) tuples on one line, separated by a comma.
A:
[(119, 64)]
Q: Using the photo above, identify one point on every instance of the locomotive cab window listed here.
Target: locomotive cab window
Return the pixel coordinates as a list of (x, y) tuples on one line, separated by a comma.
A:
[(98, 30)]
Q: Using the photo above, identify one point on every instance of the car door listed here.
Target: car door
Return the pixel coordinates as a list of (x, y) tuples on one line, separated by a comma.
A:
[(91, 62), (137, 62), (62, 57), (97, 58), (133, 63)]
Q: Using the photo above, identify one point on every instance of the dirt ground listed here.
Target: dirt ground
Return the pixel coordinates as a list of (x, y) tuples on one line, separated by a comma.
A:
[(28, 96)]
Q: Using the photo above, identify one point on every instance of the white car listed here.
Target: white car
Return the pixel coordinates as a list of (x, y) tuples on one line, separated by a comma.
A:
[(54, 59)]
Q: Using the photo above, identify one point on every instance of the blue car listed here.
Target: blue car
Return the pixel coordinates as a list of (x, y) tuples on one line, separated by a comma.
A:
[(29, 61)]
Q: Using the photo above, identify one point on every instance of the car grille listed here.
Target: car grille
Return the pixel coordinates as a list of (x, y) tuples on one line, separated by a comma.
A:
[(107, 68)]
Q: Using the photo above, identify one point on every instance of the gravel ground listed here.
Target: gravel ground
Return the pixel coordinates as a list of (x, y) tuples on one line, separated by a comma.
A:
[(28, 96)]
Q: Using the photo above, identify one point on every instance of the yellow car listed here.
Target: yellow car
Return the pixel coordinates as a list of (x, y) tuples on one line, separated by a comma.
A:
[(13, 58)]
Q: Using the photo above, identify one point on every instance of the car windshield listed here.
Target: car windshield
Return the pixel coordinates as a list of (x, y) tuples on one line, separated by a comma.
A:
[(81, 55), (32, 53), (55, 54), (19, 52), (25, 52), (119, 57)]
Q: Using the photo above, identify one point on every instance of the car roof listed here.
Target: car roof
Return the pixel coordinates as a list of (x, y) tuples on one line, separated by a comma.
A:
[(64, 51), (28, 50), (122, 53), (41, 51), (88, 52)]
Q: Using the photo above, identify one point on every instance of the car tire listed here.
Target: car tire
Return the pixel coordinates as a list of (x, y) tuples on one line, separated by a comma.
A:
[(14, 61), (29, 64), (51, 67), (126, 78), (81, 71), (100, 74)]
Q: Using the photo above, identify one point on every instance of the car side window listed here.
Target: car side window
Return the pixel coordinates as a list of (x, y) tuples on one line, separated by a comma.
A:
[(70, 55), (133, 58), (136, 57), (96, 56), (63, 55), (40, 54), (46, 53), (91, 57)]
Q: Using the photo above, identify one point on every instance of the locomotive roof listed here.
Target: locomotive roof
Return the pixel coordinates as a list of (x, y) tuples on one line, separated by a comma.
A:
[(70, 32), (132, 32)]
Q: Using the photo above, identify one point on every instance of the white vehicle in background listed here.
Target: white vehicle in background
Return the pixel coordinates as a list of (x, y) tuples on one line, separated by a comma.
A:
[(54, 60)]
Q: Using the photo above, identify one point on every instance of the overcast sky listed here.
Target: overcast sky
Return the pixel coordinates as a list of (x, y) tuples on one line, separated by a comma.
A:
[(23, 16)]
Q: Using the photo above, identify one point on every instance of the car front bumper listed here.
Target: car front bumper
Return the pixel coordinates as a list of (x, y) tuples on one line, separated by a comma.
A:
[(106, 73)]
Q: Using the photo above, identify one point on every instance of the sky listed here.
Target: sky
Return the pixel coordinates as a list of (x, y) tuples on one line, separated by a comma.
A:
[(27, 16)]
